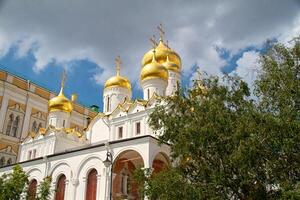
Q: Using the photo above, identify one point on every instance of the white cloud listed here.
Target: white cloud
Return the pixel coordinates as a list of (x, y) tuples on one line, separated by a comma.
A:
[(62, 31), (248, 67)]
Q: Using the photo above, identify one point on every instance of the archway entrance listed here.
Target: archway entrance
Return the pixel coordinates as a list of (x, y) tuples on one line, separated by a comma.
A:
[(160, 162), (124, 165)]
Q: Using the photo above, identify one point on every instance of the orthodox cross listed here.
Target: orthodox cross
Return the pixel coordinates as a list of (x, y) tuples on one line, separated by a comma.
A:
[(161, 32), (153, 41), (168, 44), (63, 78), (118, 65)]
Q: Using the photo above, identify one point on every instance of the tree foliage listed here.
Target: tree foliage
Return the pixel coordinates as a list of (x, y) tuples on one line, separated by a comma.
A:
[(226, 145), (14, 186)]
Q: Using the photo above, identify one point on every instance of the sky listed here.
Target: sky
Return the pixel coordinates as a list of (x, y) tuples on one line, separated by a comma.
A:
[(39, 39)]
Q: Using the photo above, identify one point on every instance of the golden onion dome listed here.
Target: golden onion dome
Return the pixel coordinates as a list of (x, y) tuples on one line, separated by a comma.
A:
[(118, 80), (154, 70), (161, 53), (171, 65), (60, 103)]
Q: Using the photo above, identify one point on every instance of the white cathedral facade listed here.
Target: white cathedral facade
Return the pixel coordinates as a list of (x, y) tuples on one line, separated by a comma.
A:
[(120, 134)]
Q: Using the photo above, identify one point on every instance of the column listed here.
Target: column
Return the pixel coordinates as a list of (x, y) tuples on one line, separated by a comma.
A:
[(26, 121), (98, 189), (75, 183), (3, 111), (103, 185), (67, 188)]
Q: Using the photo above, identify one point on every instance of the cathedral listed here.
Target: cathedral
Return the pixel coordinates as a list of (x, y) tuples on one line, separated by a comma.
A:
[(97, 159)]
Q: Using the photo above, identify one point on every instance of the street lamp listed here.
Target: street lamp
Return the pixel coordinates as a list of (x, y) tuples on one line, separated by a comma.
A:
[(108, 162)]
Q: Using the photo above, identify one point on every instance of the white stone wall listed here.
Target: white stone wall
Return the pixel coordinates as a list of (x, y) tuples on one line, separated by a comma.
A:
[(174, 78), (115, 96), (155, 85), (59, 119), (76, 165)]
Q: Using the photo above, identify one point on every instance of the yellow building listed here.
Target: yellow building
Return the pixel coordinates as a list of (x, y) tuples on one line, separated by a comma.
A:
[(24, 110)]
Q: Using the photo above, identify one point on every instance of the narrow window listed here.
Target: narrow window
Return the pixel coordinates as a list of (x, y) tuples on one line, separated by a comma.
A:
[(9, 161), (29, 155), (15, 126), (120, 132), (60, 188), (40, 126), (123, 183), (34, 153), (91, 186), (63, 123), (148, 93), (2, 161), (33, 128), (9, 125), (107, 104), (138, 128)]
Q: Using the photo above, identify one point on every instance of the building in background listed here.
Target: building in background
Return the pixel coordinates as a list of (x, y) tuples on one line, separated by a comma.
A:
[(24, 112)]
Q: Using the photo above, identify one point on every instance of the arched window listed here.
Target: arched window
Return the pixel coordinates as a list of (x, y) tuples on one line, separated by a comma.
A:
[(91, 186), (9, 124), (60, 188), (125, 182), (32, 189), (40, 126), (2, 162), (107, 104), (9, 161), (33, 128), (15, 126)]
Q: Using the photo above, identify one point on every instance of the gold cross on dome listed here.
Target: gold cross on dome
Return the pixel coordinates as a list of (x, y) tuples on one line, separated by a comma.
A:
[(118, 65), (161, 32), (63, 78), (153, 41)]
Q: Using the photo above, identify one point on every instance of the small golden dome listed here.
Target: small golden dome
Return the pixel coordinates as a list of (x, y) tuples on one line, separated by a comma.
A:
[(161, 53), (118, 80), (154, 70), (171, 65), (60, 103)]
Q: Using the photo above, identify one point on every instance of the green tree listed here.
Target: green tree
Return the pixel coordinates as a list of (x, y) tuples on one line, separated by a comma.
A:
[(44, 191), (226, 145), (14, 185)]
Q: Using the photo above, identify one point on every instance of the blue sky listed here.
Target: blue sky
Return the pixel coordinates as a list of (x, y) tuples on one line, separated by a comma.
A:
[(40, 39)]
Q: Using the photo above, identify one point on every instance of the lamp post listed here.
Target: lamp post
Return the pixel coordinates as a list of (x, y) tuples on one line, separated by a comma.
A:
[(108, 162)]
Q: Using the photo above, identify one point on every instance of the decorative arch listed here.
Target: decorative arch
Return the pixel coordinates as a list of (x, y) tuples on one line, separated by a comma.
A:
[(160, 151), (35, 173), (61, 167), (84, 164), (117, 154), (125, 162), (89, 163), (60, 188), (91, 185), (160, 161)]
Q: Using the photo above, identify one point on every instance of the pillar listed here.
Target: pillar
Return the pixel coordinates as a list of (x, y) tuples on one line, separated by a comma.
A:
[(3, 111)]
